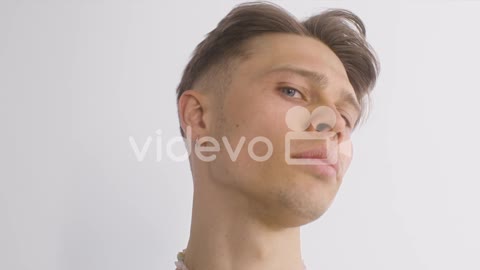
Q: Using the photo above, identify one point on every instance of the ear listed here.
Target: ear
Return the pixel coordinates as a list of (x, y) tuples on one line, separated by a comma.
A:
[(191, 110)]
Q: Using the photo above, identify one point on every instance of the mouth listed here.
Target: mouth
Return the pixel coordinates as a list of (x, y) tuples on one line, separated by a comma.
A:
[(318, 160)]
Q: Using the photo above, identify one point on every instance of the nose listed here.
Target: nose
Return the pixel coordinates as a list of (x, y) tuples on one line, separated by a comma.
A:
[(322, 126)]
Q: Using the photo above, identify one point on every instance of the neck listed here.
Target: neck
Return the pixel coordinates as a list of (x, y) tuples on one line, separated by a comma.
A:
[(226, 235)]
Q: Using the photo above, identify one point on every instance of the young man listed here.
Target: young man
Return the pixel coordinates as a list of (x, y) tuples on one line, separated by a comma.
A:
[(258, 80)]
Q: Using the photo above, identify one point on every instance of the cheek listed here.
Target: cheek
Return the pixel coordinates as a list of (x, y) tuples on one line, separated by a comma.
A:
[(345, 155), (260, 119), (254, 116)]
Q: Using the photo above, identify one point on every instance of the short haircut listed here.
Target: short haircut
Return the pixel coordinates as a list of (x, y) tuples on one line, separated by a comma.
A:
[(339, 29)]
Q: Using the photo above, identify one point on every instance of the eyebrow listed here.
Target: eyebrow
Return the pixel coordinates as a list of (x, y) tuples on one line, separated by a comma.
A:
[(319, 79)]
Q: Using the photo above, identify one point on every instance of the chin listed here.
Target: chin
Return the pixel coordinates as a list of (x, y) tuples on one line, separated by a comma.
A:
[(298, 211), (300, 218)]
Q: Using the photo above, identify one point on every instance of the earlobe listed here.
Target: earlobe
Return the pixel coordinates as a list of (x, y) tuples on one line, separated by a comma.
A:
[(191, 112)]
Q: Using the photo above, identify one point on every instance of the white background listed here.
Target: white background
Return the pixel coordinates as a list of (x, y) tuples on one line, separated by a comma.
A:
[(77, 78)]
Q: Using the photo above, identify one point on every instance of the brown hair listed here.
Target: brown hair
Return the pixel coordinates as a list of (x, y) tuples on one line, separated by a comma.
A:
[(341, 30)]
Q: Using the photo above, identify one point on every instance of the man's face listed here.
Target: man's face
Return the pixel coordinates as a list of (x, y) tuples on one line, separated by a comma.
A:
[(262, 91)]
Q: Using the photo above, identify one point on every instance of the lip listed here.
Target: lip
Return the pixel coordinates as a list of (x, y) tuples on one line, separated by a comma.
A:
[(318, 160)]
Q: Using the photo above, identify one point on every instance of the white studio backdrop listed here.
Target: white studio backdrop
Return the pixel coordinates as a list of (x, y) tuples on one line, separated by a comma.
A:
[(79, 78)]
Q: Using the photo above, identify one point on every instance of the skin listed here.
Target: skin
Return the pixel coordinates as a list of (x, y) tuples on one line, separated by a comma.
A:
[(247, 214)]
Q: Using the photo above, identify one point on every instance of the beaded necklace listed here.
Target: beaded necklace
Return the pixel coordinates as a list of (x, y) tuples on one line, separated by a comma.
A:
[(181, 265)]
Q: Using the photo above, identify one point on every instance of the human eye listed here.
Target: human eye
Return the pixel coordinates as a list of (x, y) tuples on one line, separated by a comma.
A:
[(291, 92), (347, 122)]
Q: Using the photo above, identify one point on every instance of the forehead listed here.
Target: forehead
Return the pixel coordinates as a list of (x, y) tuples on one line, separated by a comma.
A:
[(269, 51)]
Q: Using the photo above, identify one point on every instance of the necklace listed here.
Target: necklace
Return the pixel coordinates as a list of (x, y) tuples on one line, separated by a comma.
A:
[(181, 265)]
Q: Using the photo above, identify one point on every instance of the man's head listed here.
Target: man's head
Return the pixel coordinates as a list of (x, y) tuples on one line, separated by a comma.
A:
[(241, 83)]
